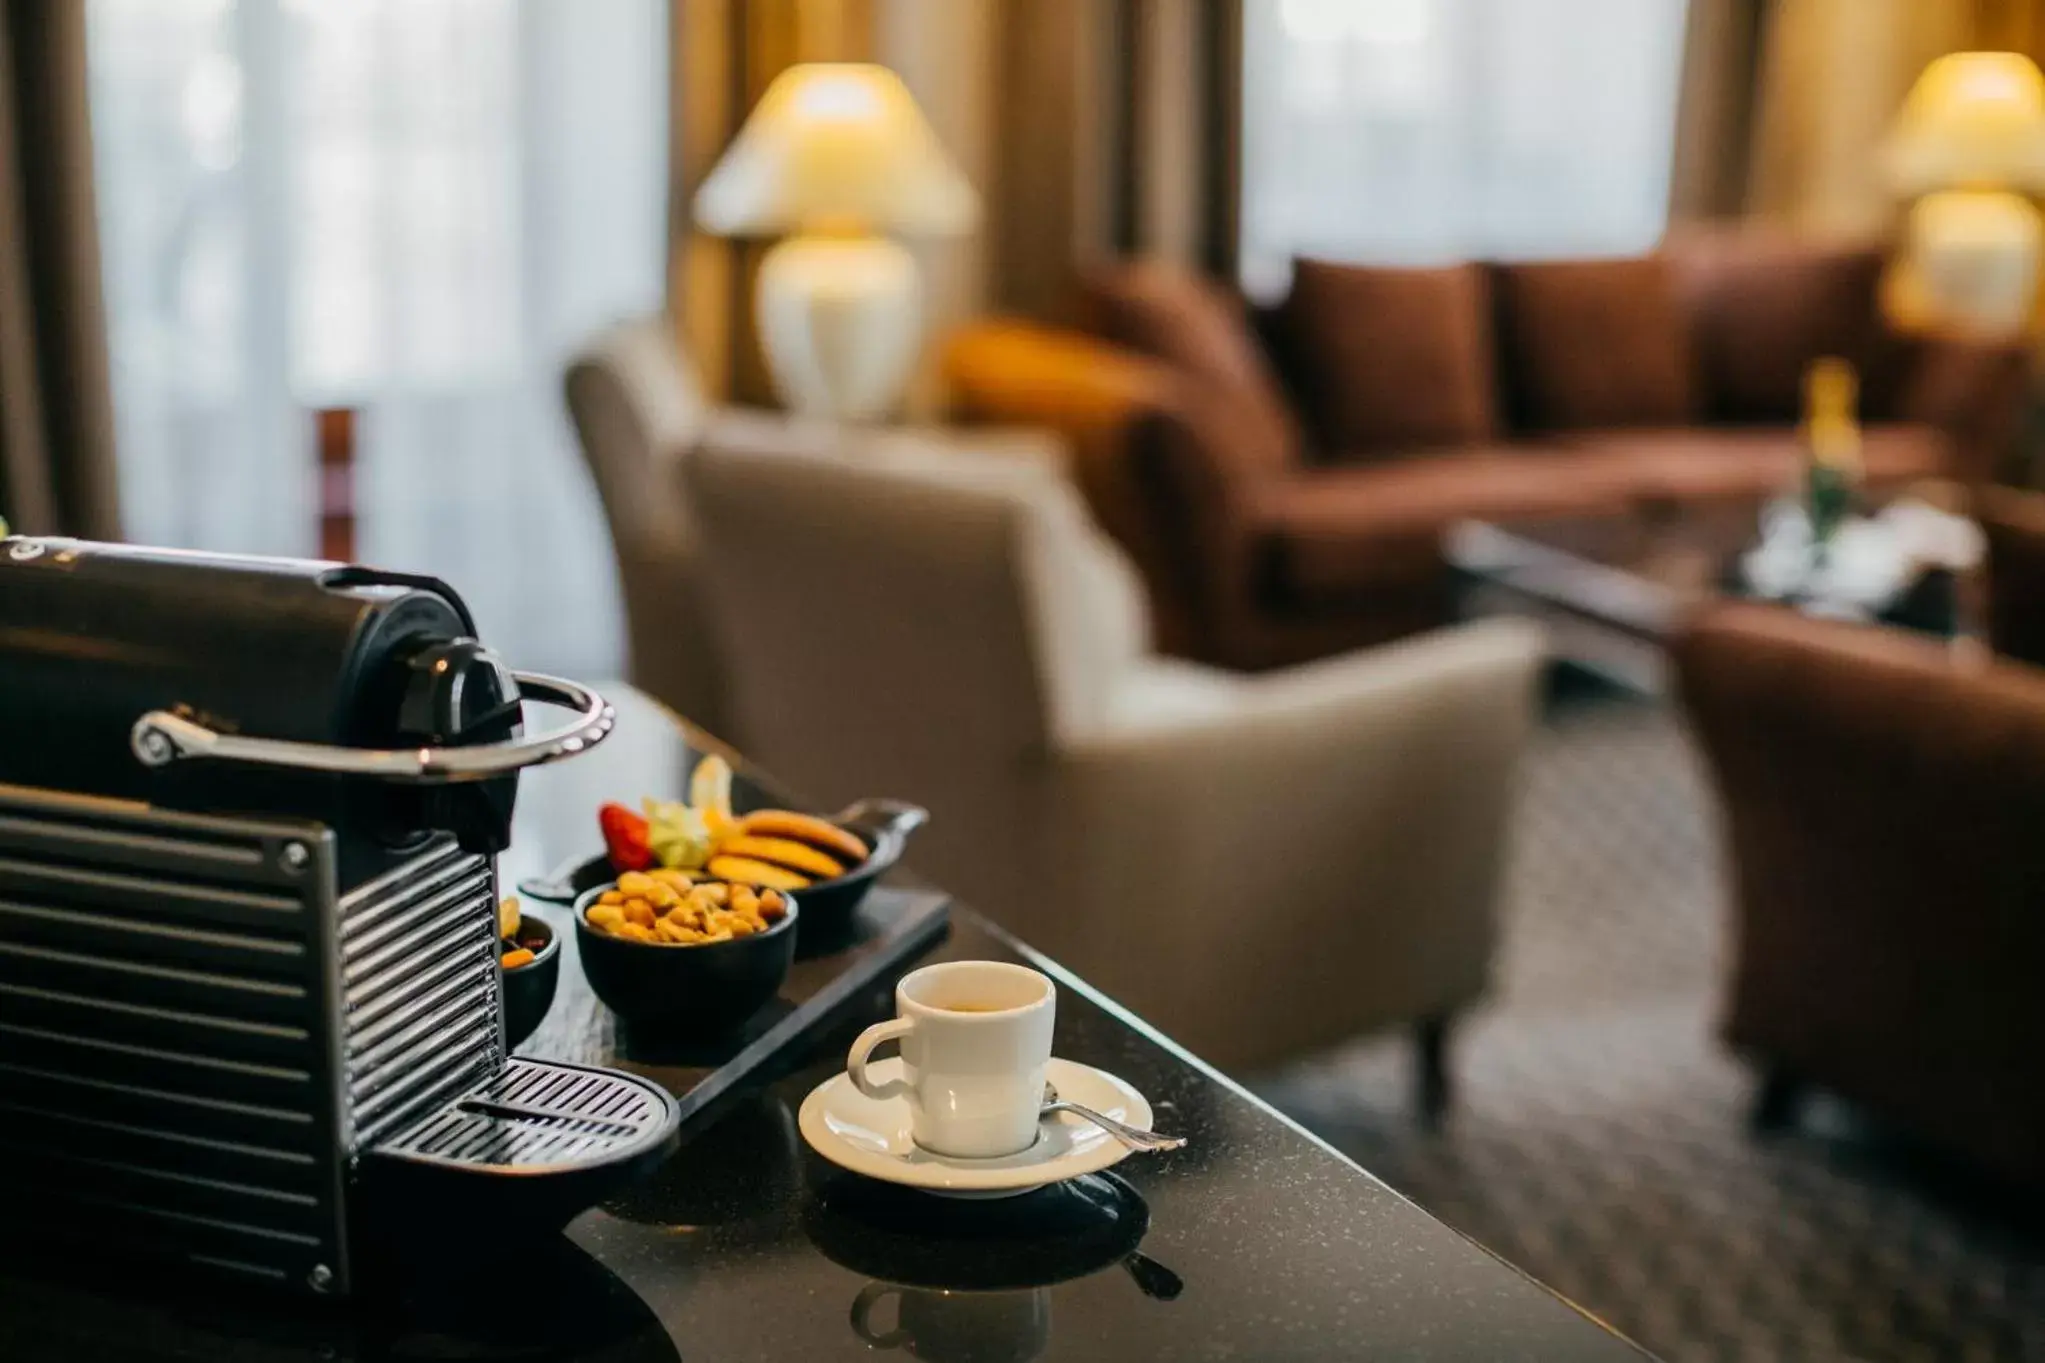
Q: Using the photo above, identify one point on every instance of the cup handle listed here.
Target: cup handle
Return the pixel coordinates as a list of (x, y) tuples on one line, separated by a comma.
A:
[(894, 1029), (862, 1316)]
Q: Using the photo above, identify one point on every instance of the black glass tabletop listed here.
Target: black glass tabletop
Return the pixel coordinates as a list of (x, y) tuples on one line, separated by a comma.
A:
[(1257, 1241)]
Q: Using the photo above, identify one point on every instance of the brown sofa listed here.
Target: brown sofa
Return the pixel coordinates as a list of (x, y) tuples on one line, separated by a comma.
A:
[(1282, 476), (1883, 804)]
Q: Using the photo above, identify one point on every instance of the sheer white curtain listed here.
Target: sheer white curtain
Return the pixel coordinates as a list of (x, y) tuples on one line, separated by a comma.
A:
[(1428, 130), (414, 208)]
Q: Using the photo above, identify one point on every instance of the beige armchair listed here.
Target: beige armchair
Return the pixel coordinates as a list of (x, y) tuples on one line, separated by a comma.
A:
[(638, 408), (1260, 865)]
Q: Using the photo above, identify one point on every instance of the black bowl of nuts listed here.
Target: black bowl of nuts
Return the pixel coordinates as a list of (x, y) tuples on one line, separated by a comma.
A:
[(664, 949), (529, 961)]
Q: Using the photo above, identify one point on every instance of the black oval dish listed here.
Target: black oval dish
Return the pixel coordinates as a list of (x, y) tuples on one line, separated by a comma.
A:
[(711, 987), (884, 826), (529, 988)]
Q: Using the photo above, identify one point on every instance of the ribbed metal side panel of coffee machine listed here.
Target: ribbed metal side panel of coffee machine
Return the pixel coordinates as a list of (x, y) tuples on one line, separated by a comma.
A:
[(187, 1062), (419, 995), (168, 1077)]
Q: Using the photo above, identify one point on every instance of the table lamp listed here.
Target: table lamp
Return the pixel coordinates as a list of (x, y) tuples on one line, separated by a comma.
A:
[(837, 160), (1968, 150)]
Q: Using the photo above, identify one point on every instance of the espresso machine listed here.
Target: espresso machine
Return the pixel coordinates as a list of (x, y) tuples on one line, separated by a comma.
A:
[(250, 1006)]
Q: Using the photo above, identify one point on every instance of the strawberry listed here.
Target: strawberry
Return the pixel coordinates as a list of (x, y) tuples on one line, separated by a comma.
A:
[(625, 837)]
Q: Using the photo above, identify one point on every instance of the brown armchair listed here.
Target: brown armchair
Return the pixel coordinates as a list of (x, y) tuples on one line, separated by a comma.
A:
[(1884, 802), (1178, 462), (1282, 477)]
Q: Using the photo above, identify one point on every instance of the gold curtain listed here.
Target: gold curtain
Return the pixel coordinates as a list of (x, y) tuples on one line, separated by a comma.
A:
[(725, 54), (1185, 142), (1118, 134), (56, 403), (1835, 72), (1785, 102), (945, 50), (1715, 109), (2011, 26)]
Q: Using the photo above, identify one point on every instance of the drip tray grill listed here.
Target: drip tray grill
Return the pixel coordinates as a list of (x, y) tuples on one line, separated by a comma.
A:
[(537, 1116)]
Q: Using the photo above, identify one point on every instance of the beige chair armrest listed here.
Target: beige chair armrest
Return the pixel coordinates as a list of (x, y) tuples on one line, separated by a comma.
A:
[(1305, 855)]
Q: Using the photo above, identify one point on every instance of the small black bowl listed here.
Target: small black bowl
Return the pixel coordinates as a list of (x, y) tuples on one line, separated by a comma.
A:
[(713, 987), (529, 988), (884, 826)]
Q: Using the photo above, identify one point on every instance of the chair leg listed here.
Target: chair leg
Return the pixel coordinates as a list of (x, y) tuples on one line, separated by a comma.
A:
[(1431, 1089), (1777, 1102)]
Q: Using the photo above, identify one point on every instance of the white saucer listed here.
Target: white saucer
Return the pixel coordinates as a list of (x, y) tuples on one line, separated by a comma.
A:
[(870, 1136)]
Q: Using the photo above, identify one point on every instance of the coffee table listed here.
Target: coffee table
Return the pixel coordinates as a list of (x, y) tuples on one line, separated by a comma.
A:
[(1613, 590)]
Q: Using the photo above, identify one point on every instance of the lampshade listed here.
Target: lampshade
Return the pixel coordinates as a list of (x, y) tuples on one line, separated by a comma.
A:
[(1974, 120), (836, 147)]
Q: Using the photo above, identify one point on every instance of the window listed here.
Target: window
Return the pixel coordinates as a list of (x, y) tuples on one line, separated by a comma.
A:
[(413, 208), (1430, 130)]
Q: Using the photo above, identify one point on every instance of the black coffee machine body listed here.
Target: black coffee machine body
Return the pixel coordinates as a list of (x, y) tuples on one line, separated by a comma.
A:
[(250, 1007)]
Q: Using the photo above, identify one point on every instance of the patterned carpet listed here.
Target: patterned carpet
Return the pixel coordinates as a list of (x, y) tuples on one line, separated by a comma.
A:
[(1599, 1139)]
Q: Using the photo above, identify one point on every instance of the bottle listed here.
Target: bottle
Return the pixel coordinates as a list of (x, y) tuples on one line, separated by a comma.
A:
[(1831, 440)]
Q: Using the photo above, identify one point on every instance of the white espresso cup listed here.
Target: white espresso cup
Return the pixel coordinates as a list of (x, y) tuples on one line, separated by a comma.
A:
[(974, 1037)]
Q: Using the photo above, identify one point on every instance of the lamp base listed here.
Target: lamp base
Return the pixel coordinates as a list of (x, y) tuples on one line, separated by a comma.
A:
[(1970, 266), (841, 322)]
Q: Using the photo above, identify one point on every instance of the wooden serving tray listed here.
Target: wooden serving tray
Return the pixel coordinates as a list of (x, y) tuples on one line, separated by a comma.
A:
[(895, 926)]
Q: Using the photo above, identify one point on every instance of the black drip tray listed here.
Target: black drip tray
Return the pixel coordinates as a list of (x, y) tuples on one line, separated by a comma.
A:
[(538, 1116), (534, 1146)]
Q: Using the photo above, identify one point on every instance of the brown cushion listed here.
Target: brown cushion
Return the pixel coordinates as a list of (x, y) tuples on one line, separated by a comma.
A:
[(1593, 343), (1201, 331), (1717, 463), (1391, 359), (1762, 307), (1341, 531)]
